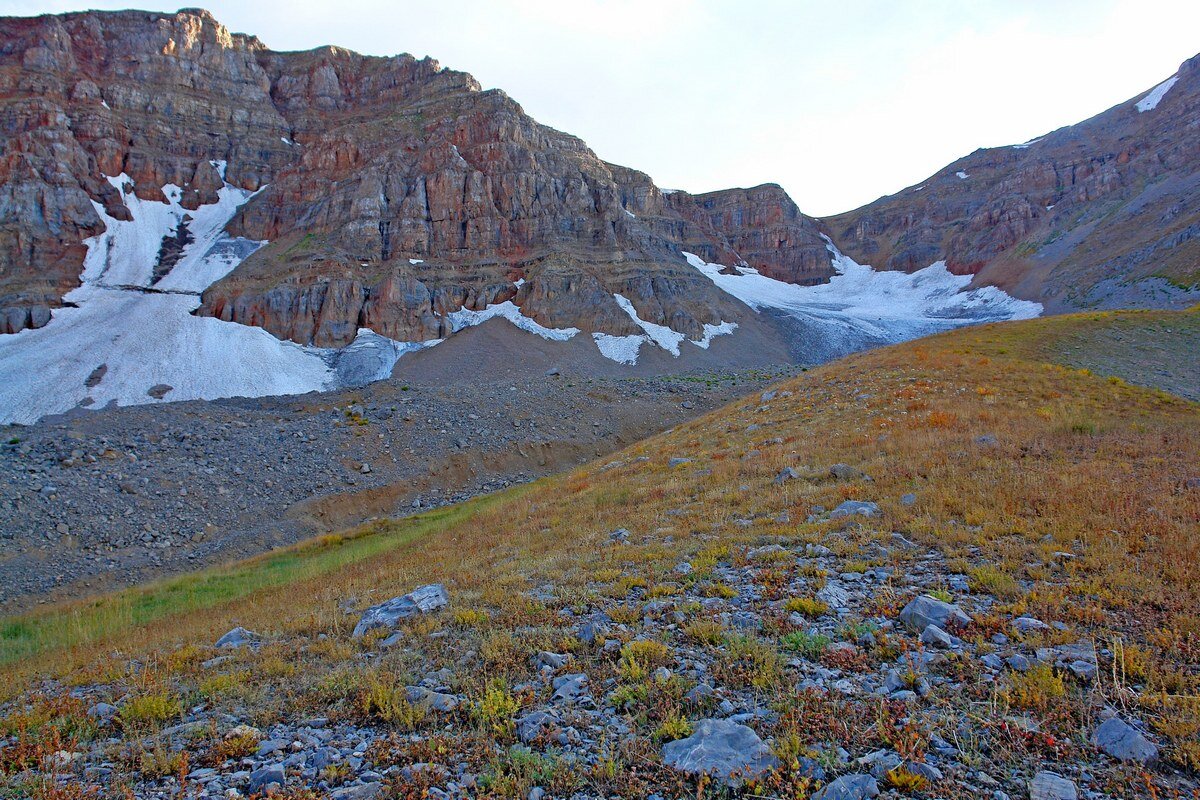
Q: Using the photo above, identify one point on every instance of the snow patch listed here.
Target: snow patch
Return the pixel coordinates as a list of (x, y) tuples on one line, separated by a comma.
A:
[(622, 349), (1026, 145), (630, 213), (1151, 101), (712, 331), (415, 261), (661, 335), (962, 174), (466, 318)]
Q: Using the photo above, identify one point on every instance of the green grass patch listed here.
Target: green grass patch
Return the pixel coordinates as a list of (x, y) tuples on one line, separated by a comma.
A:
[(27, 636)]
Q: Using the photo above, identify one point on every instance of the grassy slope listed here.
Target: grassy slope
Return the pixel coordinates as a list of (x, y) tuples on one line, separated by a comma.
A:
[(1080, 463)]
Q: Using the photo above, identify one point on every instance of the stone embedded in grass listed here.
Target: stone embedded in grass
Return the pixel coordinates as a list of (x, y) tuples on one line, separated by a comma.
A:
[(1122, 741), (103, 711), (1028, 624), (551, 660), (534, 725), (571, 690), (238, 637), (923, 611), (908, 499), (419, 601), (1051, 786), (722, 749), (1084, 670), (850, 787), (619, 535), (678, 462), (788, 474), (845, 472), (428, 699), (851, 508)]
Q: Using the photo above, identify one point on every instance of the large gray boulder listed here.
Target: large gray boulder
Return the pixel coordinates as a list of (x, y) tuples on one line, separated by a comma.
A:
[(722, 749), (850, 787), (1124, 742), (418, 601), (1051, 786), (924, 611)]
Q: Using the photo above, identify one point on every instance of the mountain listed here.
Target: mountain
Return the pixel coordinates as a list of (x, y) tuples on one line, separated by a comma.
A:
[(185, 213), (1105, 213)]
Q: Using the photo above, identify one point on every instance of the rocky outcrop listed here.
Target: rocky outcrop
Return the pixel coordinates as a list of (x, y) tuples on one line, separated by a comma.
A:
[(393, 191), (759, 227), (1063, 218)]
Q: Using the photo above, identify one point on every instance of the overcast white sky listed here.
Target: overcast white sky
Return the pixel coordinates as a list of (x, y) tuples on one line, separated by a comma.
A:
[(840, 102)]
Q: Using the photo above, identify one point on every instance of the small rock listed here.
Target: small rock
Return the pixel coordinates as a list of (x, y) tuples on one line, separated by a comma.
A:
[(1051, 786), (936, 637), (1124, 742), (850, 787), (852, 507), (923, 611), (261, 779), (238, 637), (1027, 624)]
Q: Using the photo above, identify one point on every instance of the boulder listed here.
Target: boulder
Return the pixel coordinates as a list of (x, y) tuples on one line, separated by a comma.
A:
[(1122, 741), (419, 601), (923, 611), (722, 749)]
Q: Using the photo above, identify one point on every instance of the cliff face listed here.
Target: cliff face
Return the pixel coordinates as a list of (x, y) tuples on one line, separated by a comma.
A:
[(393, 191), (1104, 212)]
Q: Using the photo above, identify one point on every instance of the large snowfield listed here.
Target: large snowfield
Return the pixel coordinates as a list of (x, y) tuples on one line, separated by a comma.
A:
[(128, 340), (861, 306)]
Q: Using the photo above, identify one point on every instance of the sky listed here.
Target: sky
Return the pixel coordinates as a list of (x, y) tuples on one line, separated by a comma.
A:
[(840, 103)]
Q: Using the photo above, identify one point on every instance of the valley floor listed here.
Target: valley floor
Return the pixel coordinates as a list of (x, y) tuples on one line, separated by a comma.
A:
[(106, 499), (949, 568)]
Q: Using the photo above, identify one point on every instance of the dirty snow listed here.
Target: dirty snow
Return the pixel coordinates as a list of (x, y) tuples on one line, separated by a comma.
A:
[(861, 306), (465, 318), (1151, 101)]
